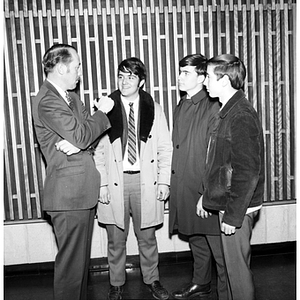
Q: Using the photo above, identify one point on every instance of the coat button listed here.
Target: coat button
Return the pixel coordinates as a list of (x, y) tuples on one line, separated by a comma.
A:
[(177, 146), (152, 161), (173, 172), (154, 182), (115, 184)]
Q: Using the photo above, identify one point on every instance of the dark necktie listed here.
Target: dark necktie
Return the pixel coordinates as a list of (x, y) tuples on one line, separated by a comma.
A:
[(70, 101), (131, 136)]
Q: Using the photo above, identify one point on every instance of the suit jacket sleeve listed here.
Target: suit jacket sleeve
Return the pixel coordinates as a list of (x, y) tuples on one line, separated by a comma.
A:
[(78, 128)]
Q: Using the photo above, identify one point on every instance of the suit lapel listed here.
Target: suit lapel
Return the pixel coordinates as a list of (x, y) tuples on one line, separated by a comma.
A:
[(49, 86)]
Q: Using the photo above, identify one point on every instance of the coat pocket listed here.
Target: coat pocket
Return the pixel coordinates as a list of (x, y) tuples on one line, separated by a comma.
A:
[(70, 185), (70, 171), (225, 175)]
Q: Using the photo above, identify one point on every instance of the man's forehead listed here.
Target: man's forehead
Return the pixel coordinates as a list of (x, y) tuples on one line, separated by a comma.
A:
[(189, 69), (210, 69), (75, 57), (128, 73)]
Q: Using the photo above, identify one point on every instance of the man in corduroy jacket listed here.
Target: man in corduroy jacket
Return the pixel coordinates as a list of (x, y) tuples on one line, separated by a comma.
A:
[(234, 180)]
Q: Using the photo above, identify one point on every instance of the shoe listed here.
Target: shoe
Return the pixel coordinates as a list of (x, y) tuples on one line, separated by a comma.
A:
[(115, 293), (191, 291), (158, 291)]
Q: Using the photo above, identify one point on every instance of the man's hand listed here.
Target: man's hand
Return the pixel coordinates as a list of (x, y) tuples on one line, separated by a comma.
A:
[(227, 229), (104, 195), (105, 104), (200, 211), (66, 147), (163, 192)]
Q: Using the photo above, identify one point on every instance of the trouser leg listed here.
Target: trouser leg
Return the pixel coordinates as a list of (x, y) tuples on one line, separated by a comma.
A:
[(237, 253), (116, 247), (202, 259), (217, 251), (73, 232), (146, 238), (148, 252), (116, 254)]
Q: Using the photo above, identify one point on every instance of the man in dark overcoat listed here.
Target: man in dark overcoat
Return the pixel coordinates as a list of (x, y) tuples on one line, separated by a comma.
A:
[(193, 121)]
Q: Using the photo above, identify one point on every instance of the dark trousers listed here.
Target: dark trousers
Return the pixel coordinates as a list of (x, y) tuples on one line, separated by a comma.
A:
[(146, 238), (204, 247), (237, 253), (73, 231)]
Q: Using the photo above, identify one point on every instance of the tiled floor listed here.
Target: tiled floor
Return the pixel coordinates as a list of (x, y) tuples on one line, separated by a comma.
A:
[(274, 270)]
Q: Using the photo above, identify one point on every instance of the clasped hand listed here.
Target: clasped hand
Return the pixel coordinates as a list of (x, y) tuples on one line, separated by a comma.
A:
[(104, 103), (66, 147)]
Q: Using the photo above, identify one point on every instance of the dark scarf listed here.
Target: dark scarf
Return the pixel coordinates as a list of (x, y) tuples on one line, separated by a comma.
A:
[(118, 120)]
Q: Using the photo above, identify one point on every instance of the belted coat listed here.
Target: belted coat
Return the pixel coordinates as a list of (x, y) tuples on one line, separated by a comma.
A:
[(155, 151)]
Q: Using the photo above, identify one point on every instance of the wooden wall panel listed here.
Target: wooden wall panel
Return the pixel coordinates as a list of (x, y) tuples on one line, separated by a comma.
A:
[(262, 33)]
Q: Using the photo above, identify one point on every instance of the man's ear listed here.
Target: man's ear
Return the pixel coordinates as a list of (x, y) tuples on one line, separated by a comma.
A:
[(225, 80), (61, 68), (201, 78), (142, 82)]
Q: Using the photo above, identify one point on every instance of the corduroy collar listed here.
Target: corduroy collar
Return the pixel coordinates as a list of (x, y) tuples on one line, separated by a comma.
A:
[(231, 103)]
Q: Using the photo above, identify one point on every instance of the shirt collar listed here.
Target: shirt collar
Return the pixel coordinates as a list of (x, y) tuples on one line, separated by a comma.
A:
[(126, 102), (59, 89), (199, 96)]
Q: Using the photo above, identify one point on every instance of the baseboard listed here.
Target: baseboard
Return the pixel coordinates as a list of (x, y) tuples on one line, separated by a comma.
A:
[(100, 264)]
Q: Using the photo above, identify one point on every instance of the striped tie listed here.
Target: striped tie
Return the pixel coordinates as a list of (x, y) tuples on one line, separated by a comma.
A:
[(70, 101), (131, 136)]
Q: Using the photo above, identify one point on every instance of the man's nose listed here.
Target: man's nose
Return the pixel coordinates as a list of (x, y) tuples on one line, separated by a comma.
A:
[(79, 72), (125, 80)]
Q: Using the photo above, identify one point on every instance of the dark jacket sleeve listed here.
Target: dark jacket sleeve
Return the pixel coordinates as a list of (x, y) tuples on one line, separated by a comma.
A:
[(245, 164), (80, 130), (212, 118)]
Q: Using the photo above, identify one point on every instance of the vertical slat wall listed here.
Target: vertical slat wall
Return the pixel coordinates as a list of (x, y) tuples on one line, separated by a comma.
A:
[(261, 32)]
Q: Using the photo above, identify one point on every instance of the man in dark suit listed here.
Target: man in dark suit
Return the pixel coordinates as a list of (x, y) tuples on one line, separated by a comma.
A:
[(65, 130)]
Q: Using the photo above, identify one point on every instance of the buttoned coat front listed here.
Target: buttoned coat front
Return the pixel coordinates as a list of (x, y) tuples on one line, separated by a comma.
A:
[(193, 122), (155, 162)]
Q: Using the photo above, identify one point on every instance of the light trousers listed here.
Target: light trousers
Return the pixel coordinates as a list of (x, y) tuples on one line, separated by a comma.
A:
[(117, 238)]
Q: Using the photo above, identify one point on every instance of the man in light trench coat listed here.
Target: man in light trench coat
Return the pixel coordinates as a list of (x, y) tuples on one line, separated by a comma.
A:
[(139, 187)]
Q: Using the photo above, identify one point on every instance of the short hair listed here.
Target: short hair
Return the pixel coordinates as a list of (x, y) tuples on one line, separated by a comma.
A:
[(58, 53), (195, 60), (230, 65), (133, 65)]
